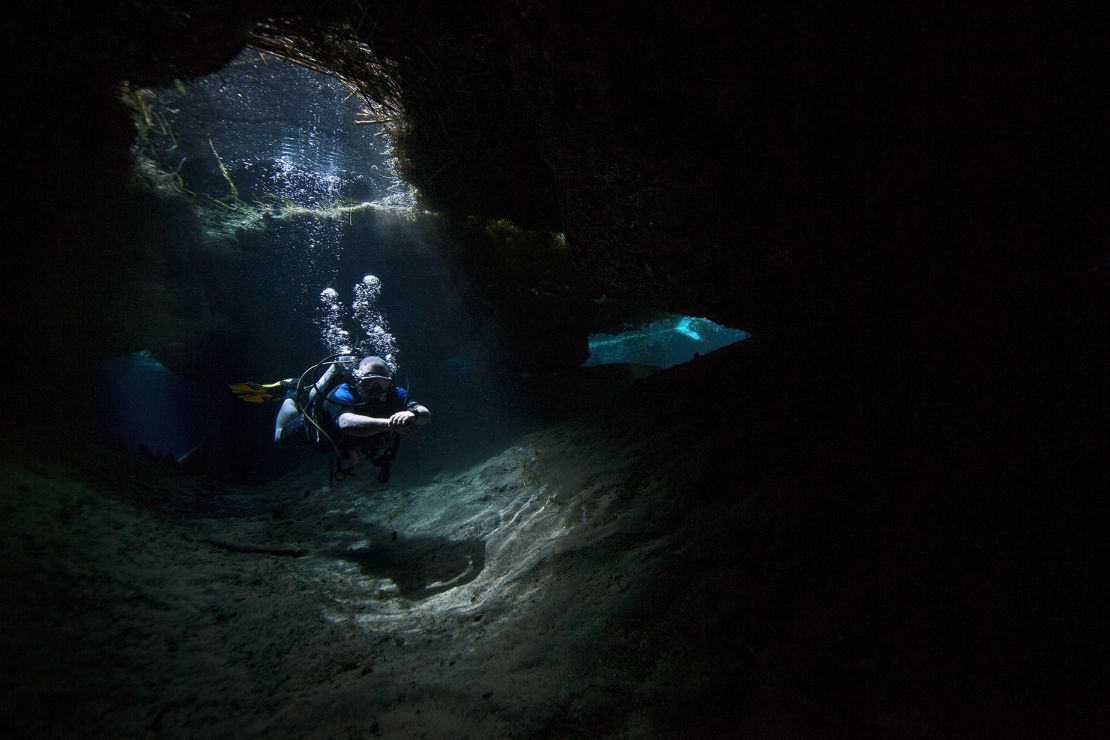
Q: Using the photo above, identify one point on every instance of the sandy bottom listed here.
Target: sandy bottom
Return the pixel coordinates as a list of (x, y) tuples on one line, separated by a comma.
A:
[(495, 602), (781, 566)]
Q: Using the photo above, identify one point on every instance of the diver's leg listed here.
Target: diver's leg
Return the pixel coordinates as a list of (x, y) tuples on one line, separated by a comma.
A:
[(287, 413)]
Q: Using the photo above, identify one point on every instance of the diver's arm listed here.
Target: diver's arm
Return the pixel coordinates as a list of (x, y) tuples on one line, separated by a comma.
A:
[(358, 425), (415, 414)]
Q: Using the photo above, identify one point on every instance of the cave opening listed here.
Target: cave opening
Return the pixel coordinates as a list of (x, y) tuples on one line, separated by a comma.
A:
[(664, 343), (275, 185), (266, 142), (287, 175)]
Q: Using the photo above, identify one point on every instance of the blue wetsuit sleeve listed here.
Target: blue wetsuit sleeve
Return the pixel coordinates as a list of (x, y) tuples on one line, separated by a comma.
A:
[(403, 400), (339, 400)]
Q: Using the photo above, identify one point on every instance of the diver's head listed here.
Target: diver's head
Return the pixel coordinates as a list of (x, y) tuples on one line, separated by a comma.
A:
[(372, 376)]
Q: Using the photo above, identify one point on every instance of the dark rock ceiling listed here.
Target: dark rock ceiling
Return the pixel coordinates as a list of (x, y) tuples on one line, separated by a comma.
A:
[(929, 182), (769, 167)]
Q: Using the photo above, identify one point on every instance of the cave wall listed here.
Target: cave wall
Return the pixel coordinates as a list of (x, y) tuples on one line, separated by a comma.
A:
[(95, 267), (773, 168)]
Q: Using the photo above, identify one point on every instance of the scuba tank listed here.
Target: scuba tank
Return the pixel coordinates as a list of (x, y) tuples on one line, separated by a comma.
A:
[(310, 396)]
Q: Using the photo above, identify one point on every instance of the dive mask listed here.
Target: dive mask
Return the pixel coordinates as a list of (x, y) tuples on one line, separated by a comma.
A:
[(374, 384)]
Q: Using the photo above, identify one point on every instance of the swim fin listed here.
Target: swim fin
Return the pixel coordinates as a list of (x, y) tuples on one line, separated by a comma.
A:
[(262, 392)]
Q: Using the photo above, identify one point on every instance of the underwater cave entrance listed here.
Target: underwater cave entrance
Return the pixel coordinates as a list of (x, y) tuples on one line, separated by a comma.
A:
[(291, 176), (265, 141), (664, 343), (145, 408)]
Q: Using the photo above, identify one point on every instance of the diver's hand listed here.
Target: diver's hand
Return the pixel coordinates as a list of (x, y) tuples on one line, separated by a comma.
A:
[(401, 419)]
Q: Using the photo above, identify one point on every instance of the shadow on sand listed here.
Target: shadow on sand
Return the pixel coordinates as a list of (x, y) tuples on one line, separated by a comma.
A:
[(421, 566)]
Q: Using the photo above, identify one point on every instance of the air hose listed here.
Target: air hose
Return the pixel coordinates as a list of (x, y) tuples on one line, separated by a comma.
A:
[(330, 360)]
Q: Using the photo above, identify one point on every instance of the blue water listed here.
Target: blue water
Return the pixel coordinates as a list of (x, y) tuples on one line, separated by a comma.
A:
[(141, 402), (662, 343)]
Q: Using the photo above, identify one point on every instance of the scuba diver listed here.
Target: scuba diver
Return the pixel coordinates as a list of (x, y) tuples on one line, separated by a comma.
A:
[(355, 409)]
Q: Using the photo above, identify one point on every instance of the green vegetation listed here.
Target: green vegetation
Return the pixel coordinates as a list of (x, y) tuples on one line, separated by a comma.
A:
[(221, 217)]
